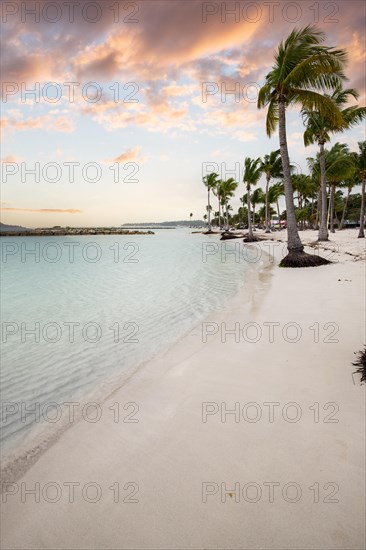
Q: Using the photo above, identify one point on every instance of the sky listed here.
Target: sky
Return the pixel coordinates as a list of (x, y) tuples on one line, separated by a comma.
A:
[(112, 112)]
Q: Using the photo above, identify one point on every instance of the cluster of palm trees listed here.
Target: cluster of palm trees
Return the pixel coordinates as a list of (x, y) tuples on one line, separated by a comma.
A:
[(309, 75), (343, 169)]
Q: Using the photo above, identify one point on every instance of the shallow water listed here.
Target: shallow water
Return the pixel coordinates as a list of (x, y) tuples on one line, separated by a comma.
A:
[(75, 324)]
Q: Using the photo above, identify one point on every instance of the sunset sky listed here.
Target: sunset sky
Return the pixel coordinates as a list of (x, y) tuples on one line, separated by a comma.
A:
[(156, 55)]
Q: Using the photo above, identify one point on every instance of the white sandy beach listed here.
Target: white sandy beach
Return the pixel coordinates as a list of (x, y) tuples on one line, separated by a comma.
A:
[(177, 460)]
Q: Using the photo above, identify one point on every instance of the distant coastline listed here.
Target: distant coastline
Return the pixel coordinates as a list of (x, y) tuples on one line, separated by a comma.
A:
[(69, 231)]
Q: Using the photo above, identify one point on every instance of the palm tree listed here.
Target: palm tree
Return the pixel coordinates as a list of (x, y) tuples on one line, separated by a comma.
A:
[(303, 69), (217, 191), (319, 128), (190, 219), (350, 184), (252, 173), (210, 181), (262, 213), (274, 193), (306, 188), (258, 197), (272, 168), (227, 190), (360, 163), (229, 217), (339, 166)]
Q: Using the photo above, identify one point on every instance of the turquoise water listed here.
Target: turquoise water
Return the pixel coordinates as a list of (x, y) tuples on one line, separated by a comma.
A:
[(100, 314)]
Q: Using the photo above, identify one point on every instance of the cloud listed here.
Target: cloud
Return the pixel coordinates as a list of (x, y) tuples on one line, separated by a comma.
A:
[(44, 210), (169, 53), (11, 158), (129, 156), (45, 122)]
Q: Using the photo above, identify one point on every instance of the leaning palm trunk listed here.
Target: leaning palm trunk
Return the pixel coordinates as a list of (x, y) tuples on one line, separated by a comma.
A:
[(219, 214), (227, 218), (344, 209), (312, 213), (361, 234), (294, 244), (268, 229), (323, 228), (208, 211), (331, 208), (250, 228), (296, 256), (300, 207), (318, 209), (278, 213)]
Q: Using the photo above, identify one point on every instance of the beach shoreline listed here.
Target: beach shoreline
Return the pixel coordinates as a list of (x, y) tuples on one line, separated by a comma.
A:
[(189, 433), (21, 458)]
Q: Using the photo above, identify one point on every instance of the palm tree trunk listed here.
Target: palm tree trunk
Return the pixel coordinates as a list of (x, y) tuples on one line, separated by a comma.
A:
[(219, 214), (208, 211), (278, 213), (250, 229), (300, 206), (344, 209), (361, 234), (294, 244), (331, 208), (323, 228), (318, 209), (267, 227)]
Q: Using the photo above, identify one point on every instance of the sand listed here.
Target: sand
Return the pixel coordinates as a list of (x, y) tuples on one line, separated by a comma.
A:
[(286, 470)]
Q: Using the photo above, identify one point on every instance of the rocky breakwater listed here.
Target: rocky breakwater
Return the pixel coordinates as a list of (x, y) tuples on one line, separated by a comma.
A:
[(70, 231)]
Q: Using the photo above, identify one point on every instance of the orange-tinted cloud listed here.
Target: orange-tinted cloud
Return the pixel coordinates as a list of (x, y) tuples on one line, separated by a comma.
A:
[(46, 122), (11, 158), (171, 42), (127, 156)]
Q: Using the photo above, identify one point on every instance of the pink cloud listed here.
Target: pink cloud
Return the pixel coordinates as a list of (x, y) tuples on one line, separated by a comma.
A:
[(170, 42), (129, 156)]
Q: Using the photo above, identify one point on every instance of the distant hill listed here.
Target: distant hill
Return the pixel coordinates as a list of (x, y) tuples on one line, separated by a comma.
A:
[(4, 227), (182, 223)]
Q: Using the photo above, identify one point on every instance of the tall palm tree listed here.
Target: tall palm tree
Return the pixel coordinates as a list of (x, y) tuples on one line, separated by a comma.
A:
[(262, 213), (274, 193), (360, 164), (306, 188), (349, 184), (217, 191), (339, 166), (272, 168), (319, 128), (258, 197), (227, 190), (210, 181), (303, 69), (252, 173)]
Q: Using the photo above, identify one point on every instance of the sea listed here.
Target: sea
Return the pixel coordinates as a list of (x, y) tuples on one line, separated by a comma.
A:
[(80, 314)]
